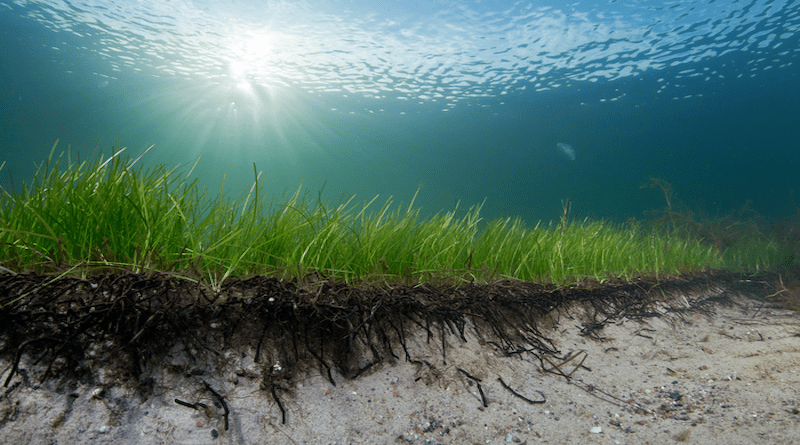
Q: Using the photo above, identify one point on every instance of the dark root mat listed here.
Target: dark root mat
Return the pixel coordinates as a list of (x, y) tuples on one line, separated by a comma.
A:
[(72, 327)]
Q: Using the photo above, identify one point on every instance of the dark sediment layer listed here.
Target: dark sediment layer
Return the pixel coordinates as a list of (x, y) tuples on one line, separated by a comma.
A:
[(131, 322)]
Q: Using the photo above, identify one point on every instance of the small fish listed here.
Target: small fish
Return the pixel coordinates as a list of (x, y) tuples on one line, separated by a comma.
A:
[(568, 150)]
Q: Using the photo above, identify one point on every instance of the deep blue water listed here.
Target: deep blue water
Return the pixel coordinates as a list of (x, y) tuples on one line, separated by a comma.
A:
[(467, 100)]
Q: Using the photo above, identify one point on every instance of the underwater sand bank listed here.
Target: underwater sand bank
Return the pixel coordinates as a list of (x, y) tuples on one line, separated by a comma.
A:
[(691, 360)]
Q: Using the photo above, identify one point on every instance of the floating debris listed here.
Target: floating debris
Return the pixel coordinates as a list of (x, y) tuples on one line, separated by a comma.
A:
[(568, 150)]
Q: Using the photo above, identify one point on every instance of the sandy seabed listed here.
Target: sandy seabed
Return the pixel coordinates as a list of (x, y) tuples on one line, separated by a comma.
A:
[(729, 375)]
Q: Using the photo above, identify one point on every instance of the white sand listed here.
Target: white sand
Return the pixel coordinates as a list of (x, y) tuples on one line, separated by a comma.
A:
[(733, 378)]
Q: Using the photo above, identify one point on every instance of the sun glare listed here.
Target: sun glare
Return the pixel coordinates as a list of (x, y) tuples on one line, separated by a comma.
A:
[(237, 69), (252, 56), (250, 106), (251, 65)]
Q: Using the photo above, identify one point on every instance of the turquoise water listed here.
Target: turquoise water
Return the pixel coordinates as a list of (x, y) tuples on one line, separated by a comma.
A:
[(464, 101)]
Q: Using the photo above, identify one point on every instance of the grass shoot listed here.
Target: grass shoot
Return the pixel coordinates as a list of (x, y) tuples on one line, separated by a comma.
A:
[(111, 213)]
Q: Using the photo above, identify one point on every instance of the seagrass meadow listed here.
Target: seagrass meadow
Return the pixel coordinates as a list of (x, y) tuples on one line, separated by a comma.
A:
[(107, 263), (114, 215)]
